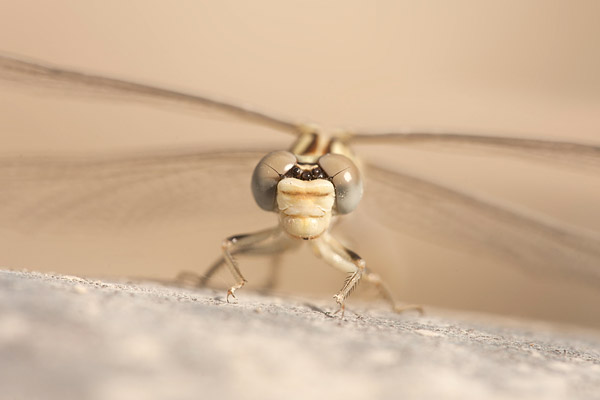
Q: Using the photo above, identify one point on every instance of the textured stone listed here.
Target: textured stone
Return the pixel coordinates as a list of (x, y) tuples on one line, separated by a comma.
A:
[(63, 337)]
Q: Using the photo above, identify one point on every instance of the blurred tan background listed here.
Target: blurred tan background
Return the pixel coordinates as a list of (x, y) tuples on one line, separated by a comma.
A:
[(519, 68)]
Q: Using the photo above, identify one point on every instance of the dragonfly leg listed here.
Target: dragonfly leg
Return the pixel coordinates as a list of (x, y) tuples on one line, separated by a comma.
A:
[(336, 255), (274, 248), (239, 243), (274, 272), (194, 279), (386, 293)]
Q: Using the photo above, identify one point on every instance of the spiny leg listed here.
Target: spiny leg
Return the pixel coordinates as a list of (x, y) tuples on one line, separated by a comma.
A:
[(236, 244), (276, 247), (274, 273), (386, 293), (336, 255), (195, 279)]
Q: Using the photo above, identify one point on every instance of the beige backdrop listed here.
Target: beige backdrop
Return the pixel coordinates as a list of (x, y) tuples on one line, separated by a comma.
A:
[(513, 67)]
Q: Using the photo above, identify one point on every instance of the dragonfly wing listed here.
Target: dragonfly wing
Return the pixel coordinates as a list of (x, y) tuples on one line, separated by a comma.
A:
[(433, 212), (54, 192), (42, 75), (576, 154)]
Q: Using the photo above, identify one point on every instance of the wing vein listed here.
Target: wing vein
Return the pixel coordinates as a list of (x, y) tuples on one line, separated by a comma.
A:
[(447, 216), (41, 74)]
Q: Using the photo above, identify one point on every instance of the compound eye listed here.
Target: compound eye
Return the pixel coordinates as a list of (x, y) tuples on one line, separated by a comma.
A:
[(267, 175), (346, 180)]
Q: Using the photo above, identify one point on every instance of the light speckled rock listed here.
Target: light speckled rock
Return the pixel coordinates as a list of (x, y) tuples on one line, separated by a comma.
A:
[(64, 337)]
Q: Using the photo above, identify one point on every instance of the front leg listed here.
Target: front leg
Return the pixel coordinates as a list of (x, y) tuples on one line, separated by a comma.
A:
[(234, 244), (336, 255), (274, 247)]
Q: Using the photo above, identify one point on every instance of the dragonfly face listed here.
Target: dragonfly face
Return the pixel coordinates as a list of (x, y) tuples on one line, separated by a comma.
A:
[(307, 193), (305, 207)]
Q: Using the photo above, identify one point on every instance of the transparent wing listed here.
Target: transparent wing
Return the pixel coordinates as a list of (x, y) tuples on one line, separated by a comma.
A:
[(576, 154), (51, 192), (42, 75), (436, 213), (54, 192)]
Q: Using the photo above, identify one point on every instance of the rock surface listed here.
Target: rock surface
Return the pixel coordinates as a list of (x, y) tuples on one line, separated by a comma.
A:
[(63, 337)]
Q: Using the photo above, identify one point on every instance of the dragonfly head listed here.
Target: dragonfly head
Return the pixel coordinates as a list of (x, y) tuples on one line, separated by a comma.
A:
[(306, 195)]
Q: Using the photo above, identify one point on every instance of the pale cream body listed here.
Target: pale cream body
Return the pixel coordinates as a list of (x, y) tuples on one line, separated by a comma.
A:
[(305, 207)]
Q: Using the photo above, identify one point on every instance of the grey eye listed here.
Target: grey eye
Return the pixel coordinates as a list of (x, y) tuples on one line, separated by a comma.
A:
[(345, 178), (267, 174)]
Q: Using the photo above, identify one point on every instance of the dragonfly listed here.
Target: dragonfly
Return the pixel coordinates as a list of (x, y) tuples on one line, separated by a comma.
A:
[(310, 186)]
